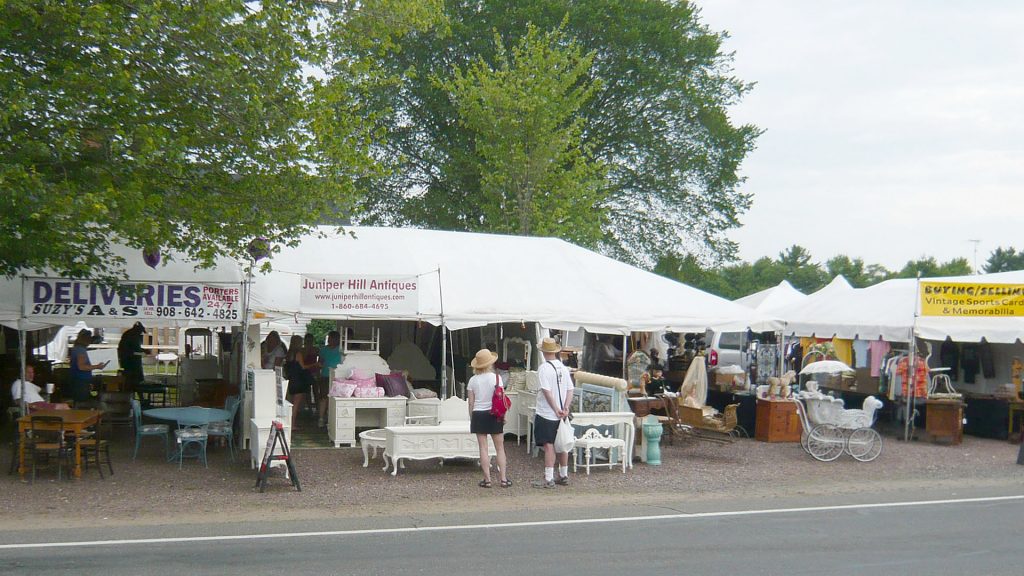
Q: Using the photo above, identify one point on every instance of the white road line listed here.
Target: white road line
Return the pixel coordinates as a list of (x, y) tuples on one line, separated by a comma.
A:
[(681, 516)]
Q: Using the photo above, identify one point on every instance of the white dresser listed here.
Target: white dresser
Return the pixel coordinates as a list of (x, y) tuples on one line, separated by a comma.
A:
[(347, 414)]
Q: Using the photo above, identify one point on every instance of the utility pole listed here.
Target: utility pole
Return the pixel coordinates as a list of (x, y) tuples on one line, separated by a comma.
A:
[(975, 242)]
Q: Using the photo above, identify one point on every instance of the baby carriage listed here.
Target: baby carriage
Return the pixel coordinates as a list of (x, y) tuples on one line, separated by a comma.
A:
[(829, 428)]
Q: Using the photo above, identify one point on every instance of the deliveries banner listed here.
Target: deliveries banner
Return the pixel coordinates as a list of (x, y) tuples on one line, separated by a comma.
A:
[(83, 300), (360, 295), (970, 299)]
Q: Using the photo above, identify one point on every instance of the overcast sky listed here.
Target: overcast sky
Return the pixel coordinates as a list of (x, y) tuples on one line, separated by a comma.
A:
[(893, 129)]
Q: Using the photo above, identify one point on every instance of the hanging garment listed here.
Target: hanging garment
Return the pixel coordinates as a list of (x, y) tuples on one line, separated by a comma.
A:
[(920, 379), (844, 350), (988, 368), (877, 350), (949, 356), (795, 357), (860, 354), (969, 362)]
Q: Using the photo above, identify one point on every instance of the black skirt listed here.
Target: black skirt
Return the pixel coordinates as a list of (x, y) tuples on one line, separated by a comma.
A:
[(483, 422)]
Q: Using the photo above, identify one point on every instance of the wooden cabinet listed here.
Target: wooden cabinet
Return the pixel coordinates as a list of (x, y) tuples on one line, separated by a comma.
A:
[(777, 421), (944, 420)]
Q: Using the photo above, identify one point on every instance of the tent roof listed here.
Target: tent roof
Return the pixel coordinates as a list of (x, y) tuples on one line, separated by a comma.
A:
[(485, 278), (770, 299)]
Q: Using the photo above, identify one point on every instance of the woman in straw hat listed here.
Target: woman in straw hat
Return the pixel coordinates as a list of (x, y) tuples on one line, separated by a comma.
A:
[(481, 421)]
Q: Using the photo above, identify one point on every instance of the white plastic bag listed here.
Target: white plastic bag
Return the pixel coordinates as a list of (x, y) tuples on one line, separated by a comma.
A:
[(565, 438)]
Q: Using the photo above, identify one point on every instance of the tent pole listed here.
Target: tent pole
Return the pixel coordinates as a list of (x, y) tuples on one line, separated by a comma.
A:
[(625, 345), (21, 355), (912, 363), (444, 340), (244, 357)]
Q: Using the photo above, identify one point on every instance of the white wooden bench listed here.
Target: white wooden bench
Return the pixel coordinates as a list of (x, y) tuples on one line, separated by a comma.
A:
[(450, 438)]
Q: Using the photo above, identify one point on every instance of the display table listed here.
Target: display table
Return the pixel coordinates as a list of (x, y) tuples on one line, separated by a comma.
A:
[(346, 414), (777, 421), (944, 420), (445, 440)]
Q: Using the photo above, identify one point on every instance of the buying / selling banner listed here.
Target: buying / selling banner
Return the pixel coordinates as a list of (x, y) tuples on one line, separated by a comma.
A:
[(73, 300), (972, 299), (386, 296)]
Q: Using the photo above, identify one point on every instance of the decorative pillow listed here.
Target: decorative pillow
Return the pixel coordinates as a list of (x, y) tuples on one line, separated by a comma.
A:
[(424, 393), (342, 389), (361, 374), (368, 392), (393, 384), (365, 382)]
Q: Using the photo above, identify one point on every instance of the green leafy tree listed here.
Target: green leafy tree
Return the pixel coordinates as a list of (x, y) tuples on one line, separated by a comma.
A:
[(1004, 260), (192, 126), (688, 270), (536, 177), (928, 267), (657, 121), (855, 271), (803, 274)]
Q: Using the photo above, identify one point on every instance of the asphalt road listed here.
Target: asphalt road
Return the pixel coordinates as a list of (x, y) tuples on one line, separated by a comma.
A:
[(955, 537)]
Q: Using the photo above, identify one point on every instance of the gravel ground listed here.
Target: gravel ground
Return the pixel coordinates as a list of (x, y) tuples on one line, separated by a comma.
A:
[(334, 483)]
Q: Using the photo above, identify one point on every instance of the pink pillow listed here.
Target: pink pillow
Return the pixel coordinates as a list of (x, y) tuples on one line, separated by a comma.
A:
[(342, 389), (360, 374), (365, 382), (368, 392)]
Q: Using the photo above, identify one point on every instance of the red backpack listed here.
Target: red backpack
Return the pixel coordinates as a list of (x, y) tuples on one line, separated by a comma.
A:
[(499, 402)]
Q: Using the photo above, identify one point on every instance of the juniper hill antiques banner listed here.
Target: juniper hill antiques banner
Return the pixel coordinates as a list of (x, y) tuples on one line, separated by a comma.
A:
[(971, 299), (67, 299), (356, 295)]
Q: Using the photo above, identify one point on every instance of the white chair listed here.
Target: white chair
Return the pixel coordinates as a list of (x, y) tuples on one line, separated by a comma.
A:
[(592, 439)]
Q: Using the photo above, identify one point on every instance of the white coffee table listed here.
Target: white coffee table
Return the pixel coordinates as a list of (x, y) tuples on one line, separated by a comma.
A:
[(374, 439)]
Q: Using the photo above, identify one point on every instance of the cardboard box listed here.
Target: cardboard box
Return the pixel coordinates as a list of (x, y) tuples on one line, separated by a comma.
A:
[(726, 382)]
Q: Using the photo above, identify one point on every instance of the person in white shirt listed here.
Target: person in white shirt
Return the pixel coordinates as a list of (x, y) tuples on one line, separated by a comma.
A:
[(33, 397), (553, 403), (481, 422)]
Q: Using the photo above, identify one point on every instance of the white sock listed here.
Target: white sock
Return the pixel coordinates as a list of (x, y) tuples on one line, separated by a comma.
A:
[(549, 474), (563, 471)]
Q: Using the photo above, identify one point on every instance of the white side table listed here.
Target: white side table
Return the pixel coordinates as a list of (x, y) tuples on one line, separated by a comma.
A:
[(374, 439)]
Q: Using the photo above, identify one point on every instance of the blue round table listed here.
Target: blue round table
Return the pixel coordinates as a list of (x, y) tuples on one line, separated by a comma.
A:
[(190, 415)]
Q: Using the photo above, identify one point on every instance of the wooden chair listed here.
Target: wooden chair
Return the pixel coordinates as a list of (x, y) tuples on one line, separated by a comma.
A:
[(96, 450), (47, 444)]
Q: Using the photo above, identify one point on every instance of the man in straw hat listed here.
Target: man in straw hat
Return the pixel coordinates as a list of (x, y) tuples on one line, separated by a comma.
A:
[(552, 406)]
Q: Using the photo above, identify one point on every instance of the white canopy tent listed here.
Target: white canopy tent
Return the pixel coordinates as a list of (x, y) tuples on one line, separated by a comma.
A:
[(469, 279), (887, 310)]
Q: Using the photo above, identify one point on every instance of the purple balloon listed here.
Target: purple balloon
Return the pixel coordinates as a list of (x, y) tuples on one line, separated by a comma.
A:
[(259, 248), (151, 256)]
